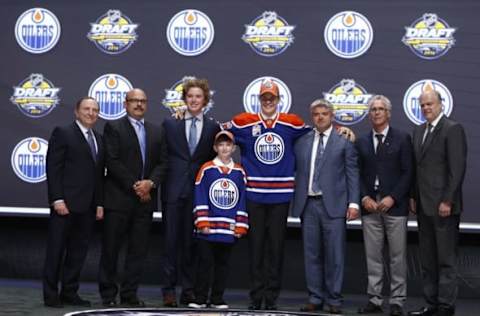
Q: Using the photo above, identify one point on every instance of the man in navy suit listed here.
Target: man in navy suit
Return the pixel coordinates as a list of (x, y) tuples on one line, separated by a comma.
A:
[(386, 170), (190, 144), (74, 177), (440, 149), (136, 160), (326, 194)]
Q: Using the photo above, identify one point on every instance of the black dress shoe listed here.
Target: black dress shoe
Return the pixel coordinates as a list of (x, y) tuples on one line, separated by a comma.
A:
[(187, 297), (332, 309), (133, 302), (424, 311), (109, 303), (254, 306), (396, 310), (445, 311), (271, 307), (75, 301), (53, 302), (309, 307), (370, 308)]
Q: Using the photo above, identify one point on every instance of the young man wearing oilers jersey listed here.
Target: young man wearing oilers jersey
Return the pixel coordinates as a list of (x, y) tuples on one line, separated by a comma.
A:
[(220, 218), (266, 141)]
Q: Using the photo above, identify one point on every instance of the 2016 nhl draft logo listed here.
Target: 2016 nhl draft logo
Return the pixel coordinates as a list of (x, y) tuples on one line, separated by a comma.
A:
[(349, 100), (173, 98), (35, 96), (429, 37), (348, 34), (251, 101), (37, 30), (411, 103), (110, 91), (269, 148), (224, 193), (29, 159), (190, 32), (113, 32), (268, 34)]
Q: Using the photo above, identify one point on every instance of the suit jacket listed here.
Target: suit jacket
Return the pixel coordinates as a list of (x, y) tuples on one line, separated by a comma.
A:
[(72, 173), (183, 167), (393, 165), (124, 163), (339, 178), (440, 166)]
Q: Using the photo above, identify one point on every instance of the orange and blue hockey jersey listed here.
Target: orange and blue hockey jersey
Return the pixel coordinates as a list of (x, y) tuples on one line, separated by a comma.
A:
[(220, 202), (267, 154)]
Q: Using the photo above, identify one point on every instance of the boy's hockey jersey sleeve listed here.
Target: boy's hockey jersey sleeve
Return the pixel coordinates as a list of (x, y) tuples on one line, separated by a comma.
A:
[(201, 208), (241, 219)]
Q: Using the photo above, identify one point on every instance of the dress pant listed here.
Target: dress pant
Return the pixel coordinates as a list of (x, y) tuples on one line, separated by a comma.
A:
[(212, 256), (438, 238), (266, 239), (67, 246), (180, 252), (324, 252), (375, 227), (132, 226)]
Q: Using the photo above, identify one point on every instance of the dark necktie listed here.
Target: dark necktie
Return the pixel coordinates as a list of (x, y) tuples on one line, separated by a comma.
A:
[(429, 133), (318, 158), (379, 143), (91, 144), (192, 135)]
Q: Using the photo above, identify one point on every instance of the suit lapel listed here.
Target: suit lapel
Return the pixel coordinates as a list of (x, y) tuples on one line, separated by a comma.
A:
[(82, 140), (434, 134), (183, 136), (308, 153), (331, 143)]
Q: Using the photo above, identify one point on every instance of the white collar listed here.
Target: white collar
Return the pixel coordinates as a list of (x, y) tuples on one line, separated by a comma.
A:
[(220, 163)]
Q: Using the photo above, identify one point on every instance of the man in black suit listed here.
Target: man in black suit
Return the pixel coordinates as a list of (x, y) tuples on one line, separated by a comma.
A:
[(385, 158), (190, 144), (136, 161), (75, 194), (440, 149)]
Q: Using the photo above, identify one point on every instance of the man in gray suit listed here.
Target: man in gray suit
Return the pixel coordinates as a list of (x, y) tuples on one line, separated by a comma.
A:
[(326, 193), (440, 150)]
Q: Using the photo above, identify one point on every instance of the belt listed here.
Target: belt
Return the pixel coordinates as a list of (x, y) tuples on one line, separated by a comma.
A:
[(316, 197)]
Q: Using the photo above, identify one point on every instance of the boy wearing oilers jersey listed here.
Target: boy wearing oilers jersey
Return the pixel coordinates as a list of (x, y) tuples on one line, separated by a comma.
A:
[(266, 141), (220, 218)]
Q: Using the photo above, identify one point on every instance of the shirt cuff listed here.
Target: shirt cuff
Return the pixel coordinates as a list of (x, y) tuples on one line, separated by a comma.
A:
[(353, 205)]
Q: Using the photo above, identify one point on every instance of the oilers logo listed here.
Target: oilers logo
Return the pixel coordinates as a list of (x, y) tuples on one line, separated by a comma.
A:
[(429, 37), (35, 96), (190, 32), (251, 101), (173, 98), (110, 91), (411, 103), (349, 100), (113, 32), (348, 34), (37, 30), (224, 193), (29, 159), (269, 148), (269, 34)]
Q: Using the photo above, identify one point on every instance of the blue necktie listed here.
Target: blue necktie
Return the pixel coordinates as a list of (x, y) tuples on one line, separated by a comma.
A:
[(141, 139), (91, 144), (316, 172), (192, 136)]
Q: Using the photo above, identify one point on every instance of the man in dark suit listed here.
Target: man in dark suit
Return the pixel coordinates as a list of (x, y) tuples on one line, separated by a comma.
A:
[(386, 170), (75, 194), (190, 144), (440, 149), (136, 160), (326, 193)]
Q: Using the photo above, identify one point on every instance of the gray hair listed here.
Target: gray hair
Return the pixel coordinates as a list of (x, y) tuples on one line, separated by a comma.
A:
[(382, 99), (322, 103)]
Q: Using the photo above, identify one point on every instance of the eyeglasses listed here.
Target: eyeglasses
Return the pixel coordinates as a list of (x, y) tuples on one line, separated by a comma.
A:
[(381, 110), (141, 101)]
